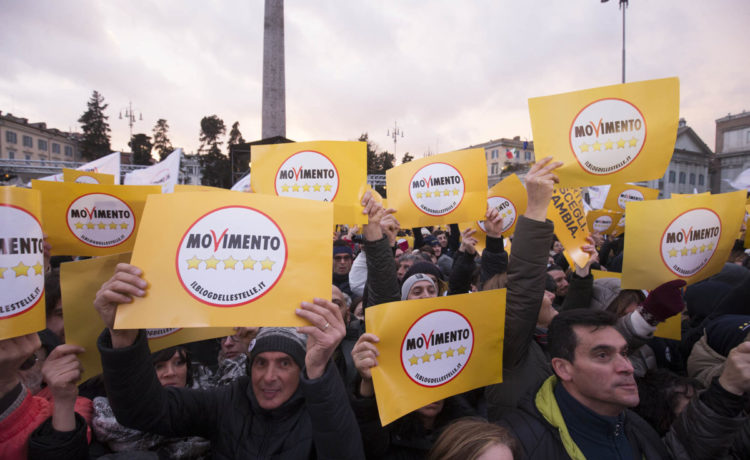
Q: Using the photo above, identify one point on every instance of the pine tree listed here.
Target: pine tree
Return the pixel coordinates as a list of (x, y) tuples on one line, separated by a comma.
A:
[(235, 136), (95, 143), (162, 144), (406, 158), (141, 145), (215, 166)]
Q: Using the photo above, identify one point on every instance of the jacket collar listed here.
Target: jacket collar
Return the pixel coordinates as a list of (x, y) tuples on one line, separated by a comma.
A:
[(546, 403)]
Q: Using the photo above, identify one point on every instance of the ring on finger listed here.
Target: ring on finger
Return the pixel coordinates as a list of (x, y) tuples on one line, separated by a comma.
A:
[(326, 326)]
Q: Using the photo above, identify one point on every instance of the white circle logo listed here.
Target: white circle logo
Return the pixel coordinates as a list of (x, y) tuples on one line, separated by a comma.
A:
[(159, 333), (607, 135), (21, 261), (86, 180), (437, 189), (308, 175), (231, 256), (100, 220), (630, 194), (602, 223), (437, 348), (690, 241), (506, 209)]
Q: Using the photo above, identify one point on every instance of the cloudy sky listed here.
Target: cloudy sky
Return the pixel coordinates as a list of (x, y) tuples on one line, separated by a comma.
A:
[(450, 73)]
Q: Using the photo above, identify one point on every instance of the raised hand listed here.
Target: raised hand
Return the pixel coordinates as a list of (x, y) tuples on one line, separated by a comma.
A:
[(323, 336), (365, 355), (540, 180), (125, 284)]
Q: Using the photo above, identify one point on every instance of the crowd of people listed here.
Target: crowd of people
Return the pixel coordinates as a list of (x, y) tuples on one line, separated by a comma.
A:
[(583, 374)]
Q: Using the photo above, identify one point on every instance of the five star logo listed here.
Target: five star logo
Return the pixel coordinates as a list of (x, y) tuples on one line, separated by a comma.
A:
[(672, 252), (584, 147), (633, 142), (414, 360), (694, 250), (419, 194), (2, 272), (449, 352), (438, 354), (229, 263), (248, 263), (327, 187), (212, 262), (193, 263), (597, 146), (621, 144), (284, 188), (428, 194), (38, 268), (266, 264), (295, 188), (684, 251), (102, 225), (461, 350), (426, 358), (123, 225), (90, 225), (456, 191), (113, 226), (608, 145), (79, 225), (21, 269), (316, 187)]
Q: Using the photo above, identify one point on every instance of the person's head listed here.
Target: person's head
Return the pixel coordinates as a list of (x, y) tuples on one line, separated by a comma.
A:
[(342, 257), (557, 247), (418, 286), (475, 439), (663, 396), (276, 361), (433, 242), (53, 304), (340, 299), (561, 281), (173, 367), (626, 301), (404, 264), (234, 345), (442, 238), (590, 357), (429, 251), (427, 414)]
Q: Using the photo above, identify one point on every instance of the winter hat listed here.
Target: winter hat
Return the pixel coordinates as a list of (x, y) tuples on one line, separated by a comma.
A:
[(411, 281), (342, 250), (284, 339), (424, 267), (605, 291)]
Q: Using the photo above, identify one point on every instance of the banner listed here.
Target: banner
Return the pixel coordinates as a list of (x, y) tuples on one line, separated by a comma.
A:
[(22, 309), (87, 177), (79, 283), (109, 164), (620, 194), (603, 221), (612, 134), (685, 238), (229, 259), (434, 348), (164, 173), (321, 171), (567, 213), (509, 198), (90, 219), (243, 185), (597, 194), (441, 189)]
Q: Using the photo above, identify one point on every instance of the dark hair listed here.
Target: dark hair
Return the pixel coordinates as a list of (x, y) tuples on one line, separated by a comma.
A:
[(438, 232), (167, 353), (52, 293), (562, 340), (469, 437), (624, 299), (660, 391), (427, 249), (554, 267)]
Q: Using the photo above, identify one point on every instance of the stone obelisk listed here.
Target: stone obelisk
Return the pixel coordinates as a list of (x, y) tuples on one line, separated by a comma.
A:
[(274, 92)]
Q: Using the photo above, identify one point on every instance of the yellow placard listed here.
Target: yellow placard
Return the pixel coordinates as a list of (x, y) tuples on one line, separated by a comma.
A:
[(79, 283), (688, 195), (612, 134), (21, 263), (567, 213), (178, 188), (92, 219), (621, 194), (329, 171), (509, 198), (229, 259), (603, 221), (441, 189), (685, 238), (599, 274), (87, 177), (747, 230), (434, 348)]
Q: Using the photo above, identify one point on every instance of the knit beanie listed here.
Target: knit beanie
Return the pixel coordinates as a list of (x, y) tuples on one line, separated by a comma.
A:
[(342, 250), (284, 339), (411, 281)]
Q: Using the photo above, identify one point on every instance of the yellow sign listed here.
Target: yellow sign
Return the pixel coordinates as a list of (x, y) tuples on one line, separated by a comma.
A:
[(229, 259), (621, 194), (685, 238), (322, 171), (509, 198), (612, 134), (688, 195), (567, 213), (196, 188), (603, 221), (441, 189), (79, 283), (87, 177), (434, 348), (91, 219), (21, 263), (747, 230)]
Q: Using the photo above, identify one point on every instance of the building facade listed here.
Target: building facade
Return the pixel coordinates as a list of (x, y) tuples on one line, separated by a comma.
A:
[(505, 157), (21, 140), (732, 150), (190, 170)]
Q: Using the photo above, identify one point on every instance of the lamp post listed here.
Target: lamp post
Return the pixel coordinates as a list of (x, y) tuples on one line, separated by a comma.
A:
[(394, 135), (130, 116), (623, 6)]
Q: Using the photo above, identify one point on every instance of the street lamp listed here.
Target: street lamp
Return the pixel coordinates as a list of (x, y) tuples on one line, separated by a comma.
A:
[(130, 116), (623, 6), (394, 134)]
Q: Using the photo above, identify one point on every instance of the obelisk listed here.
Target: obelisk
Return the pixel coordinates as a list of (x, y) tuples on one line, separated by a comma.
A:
[(274, 92)]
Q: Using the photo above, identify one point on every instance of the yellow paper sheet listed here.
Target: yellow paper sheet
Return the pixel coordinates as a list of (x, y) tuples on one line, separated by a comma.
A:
[(229, 259), (434, 348), (685, 238), (621, 194), (87, 177), (178, 188), (567, 213), (613, 134), (441, 189), (21, 263), (92, 219), (322, 171), (603, 221)]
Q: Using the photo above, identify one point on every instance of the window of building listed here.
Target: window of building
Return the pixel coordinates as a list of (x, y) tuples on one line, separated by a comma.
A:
[(661, 184), (28, 141), (493, 169), (527, 155), (42, 158), (671, 177), (28, 158), (700, 179), (11, 137), (692, 178), (41, 144), (55, 147), (11, 155), (682, 177), (494, 154), (68, 151)]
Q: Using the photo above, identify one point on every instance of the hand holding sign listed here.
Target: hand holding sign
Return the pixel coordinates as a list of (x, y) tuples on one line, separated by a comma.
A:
[(323, 336), (365, 356), (468, 242), (61, 371), (590, 249), (540, 181), (493, 223), (376, 214), (121, 288)]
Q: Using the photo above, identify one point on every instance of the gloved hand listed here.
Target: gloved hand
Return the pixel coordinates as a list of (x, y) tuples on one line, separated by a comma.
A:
[(663, 302)]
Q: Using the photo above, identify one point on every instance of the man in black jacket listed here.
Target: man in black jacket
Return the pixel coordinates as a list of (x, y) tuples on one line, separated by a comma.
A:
[(293, 405)]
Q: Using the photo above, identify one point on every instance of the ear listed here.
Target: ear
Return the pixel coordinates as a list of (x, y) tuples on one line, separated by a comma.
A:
[(563, 368)]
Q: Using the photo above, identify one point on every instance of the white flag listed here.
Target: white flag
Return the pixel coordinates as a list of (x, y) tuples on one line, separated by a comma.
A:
[(243, 185), (164, 173), (109, 164), (742, 181)]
